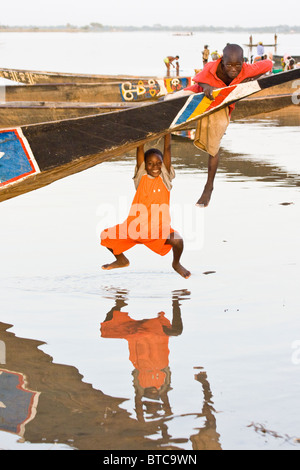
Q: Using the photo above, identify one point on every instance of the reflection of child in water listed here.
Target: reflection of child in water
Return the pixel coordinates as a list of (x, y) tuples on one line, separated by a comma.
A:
[(148, 343), (149, 220)]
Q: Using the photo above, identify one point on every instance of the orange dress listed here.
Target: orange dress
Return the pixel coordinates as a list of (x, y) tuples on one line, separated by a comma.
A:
[(148, 222), (148, 344)]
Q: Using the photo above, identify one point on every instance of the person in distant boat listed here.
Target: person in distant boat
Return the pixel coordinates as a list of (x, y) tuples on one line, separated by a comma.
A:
[(169, 61), (205, 55), (149, 220), (260, 49), (230, 69), (289, 63)]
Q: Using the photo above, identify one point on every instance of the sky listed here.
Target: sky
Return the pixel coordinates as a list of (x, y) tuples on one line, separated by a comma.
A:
[(141, 12)]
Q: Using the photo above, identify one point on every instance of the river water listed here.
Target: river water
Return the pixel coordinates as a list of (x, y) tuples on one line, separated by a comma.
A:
[(228, 375)]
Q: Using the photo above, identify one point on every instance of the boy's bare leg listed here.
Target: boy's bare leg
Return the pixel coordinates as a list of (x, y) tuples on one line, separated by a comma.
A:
[(121, 262), (213, 163), (177, 245)]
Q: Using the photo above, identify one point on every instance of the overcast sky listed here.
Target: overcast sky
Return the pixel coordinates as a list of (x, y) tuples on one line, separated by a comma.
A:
[(141, 12)]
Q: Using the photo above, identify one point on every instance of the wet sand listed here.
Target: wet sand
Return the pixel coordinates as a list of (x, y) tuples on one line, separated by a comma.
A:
[(226, 364)]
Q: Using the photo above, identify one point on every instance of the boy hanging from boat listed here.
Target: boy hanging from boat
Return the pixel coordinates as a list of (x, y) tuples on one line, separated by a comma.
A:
[(149, 221)]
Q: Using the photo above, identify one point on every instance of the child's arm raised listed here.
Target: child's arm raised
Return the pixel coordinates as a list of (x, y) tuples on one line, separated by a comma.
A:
[(167, 152), (140, 155)]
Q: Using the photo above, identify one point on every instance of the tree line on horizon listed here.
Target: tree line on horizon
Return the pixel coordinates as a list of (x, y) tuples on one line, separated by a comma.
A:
[(92, 27)]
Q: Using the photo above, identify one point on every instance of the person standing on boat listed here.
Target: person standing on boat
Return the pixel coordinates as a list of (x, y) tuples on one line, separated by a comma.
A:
[(169, 61), (260, 49), (205, 55), (230, 69)]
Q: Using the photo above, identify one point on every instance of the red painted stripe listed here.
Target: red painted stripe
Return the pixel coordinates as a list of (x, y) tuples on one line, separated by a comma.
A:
[(221, 96)]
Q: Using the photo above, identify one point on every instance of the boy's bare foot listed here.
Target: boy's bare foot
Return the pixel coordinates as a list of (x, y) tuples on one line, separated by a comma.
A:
[(181, 270), (205, 198), (121, 262)]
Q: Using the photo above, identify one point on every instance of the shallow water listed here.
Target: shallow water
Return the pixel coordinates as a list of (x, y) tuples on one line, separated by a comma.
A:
[(232, 368), (229, 371)]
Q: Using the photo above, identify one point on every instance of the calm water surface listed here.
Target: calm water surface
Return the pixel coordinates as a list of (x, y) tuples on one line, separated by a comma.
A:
[(225, 372)]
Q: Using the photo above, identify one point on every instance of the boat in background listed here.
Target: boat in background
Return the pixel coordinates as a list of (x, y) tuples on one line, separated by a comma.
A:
[(129, 91), (32, 77)]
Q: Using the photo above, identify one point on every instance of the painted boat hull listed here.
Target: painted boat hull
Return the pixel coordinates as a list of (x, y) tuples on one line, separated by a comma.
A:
[(34, 156), (129, 91)]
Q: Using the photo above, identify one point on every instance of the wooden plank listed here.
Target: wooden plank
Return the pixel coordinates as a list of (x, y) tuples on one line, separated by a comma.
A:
[(36, 155)]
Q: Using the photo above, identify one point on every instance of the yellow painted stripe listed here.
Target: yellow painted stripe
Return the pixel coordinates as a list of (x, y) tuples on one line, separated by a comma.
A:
[(202, 107)]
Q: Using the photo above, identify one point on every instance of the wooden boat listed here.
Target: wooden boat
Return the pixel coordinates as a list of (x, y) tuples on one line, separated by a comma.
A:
[(35, 155), (270, 99), (129, 91), (16, 114), (254, 106), (31, 77)]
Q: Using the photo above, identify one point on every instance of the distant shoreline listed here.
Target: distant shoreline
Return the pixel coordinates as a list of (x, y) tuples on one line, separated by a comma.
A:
[(97, 28)]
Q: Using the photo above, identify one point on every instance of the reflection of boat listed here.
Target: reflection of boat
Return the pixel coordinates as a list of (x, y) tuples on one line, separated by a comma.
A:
[(50, 415), (131, 90), (36, 155)]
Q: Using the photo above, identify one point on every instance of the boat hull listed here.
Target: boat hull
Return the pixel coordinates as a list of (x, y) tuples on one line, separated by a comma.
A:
[(129, 91)]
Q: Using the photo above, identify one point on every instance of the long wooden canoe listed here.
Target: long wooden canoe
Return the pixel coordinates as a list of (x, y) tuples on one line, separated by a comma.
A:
[(31, 77), (129, 91), (249, 107), (114, 92), (36, 155)]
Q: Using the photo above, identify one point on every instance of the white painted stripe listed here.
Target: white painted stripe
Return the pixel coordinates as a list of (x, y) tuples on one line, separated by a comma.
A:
[(241, 91), (182, 109), (163, 91)]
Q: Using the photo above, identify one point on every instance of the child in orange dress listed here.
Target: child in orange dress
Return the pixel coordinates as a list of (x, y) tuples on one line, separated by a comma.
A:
[(149, 221)]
